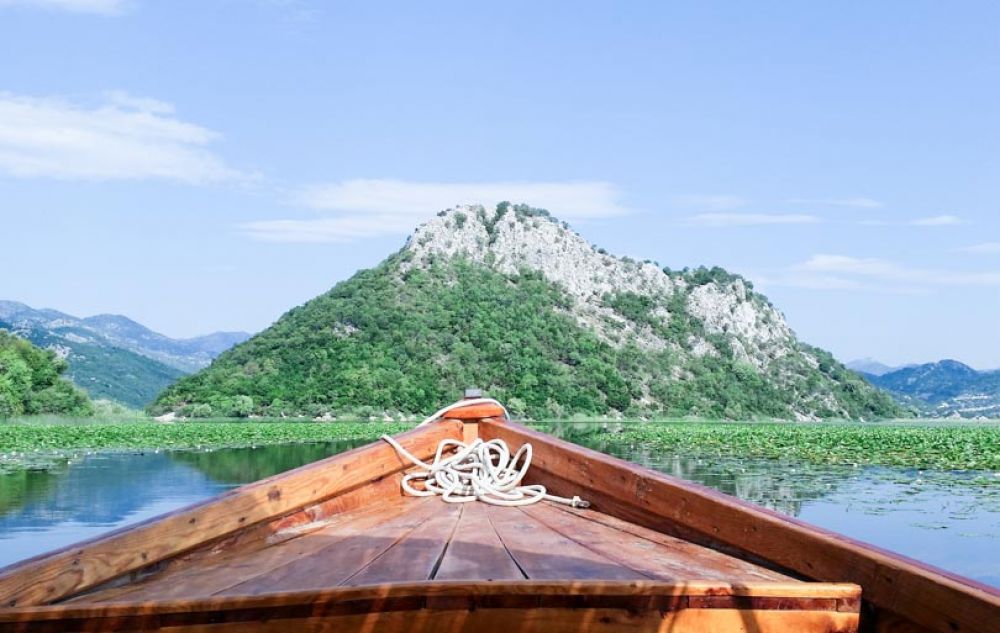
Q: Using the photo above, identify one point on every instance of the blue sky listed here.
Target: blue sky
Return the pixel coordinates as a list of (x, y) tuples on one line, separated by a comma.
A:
[(205, 165)]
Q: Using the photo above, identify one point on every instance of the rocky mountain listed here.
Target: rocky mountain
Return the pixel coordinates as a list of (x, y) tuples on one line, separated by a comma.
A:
[(188, 355), (869, 365), (515, 302), (112, 356), (946, 388)]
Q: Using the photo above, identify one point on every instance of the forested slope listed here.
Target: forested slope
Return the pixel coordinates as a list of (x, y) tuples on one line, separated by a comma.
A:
[(516, 303)]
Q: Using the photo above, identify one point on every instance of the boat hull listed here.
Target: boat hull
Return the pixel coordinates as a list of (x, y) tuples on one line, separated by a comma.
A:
[(653, 553), (458, 606)]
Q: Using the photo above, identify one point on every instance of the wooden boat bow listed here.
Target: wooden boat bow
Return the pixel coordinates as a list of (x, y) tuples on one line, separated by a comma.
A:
[(334, 545)]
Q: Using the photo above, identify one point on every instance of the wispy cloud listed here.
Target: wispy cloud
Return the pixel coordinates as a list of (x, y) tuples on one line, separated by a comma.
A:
[(751, 219), (870, 273), (368, 208), (818, 281), (937, 220), (708, 202), (102, 7), (400, 197), (986, 248), (328, 230), (121, 138), (934, 220), (856, 202)]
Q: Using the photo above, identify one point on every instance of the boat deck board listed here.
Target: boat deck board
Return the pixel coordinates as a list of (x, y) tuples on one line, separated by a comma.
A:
[(416, 539)]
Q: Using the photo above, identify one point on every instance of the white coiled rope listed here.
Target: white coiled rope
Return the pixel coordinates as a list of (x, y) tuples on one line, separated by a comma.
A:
[(481, 471)]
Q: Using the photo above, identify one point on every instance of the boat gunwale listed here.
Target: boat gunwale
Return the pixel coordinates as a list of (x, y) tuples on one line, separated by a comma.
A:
[(894, 586), (72, 555), (639, 507), (772, 595)]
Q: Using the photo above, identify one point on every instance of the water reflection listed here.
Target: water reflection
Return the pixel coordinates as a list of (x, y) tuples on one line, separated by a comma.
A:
[(241, 465), (948, 519), (24, 486), (783, 487), (81, 498)]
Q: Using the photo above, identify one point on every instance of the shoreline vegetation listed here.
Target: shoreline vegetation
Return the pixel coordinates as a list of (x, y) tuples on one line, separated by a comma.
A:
[(39, 442)]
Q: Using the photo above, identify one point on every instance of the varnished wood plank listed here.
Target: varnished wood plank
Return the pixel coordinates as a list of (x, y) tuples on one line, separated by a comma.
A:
[(416, 555), (656, 555), (474, 412), (558, 621), (542, 620), (475, 551), (226, 562), (210, 577), (350, 549), (544, 554), (581, 603), (886, 622), (929, 597), (60, 574)]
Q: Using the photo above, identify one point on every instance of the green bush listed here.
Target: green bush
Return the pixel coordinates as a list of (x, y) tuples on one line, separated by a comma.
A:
[(31, 381)]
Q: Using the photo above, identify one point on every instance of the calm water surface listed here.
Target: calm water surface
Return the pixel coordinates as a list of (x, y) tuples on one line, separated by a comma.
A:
[(948, 519)]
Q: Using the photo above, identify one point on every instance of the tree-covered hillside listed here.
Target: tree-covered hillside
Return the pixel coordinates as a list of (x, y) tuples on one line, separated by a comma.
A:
[(31, 381), (945, 388), (409, 334), (111, 356), (104, 371)]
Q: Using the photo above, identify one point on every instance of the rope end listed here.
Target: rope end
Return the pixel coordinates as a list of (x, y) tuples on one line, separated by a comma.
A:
[(577, 502)]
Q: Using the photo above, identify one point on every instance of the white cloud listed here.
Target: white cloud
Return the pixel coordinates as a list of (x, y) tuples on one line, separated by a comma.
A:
[(709, 202), (937, 220), (374, 207), (122, 138), (571, 200), (102, 7), (867, 267), (128, 101), (986, 248), (818, 281), (751, 219), (934, 220), (326, 230), (858, 202), (865, 271)]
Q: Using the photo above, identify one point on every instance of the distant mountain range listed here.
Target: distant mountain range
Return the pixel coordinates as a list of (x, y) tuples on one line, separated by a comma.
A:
[(946, 388), (112, 356), (869, 365)]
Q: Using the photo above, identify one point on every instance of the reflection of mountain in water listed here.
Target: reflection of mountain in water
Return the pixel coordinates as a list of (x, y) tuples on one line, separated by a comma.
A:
[(21, 487), (97, 490), (105, 489), (243, 465), (769, 483)]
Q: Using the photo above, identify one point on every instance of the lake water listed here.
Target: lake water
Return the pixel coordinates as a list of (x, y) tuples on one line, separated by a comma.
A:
[(948, 519)]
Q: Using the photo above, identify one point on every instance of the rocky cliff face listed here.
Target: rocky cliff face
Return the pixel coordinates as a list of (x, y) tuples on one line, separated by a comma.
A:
[(512, 238), (516, 302)]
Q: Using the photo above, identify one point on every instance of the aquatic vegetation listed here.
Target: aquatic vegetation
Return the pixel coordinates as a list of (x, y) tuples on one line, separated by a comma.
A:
[(35, 445), (945, 447), (941, 447)]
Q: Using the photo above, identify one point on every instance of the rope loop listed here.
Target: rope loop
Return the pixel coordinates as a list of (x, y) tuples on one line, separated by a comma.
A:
[(480, 471)]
